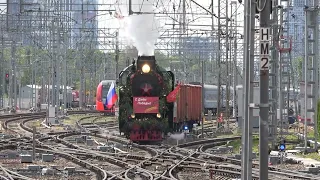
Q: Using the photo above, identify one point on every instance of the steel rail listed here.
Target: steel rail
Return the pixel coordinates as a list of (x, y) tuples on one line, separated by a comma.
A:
[(33, 116)]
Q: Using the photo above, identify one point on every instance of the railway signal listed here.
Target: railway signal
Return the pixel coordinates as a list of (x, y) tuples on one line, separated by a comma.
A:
[(282, 146), (186, 129)]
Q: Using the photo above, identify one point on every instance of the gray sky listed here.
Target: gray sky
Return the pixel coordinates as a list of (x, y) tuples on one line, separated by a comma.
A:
[(1, 5)]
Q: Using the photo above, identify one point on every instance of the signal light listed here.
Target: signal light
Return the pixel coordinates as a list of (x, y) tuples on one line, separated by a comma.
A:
[(282, 145), (7, 75)]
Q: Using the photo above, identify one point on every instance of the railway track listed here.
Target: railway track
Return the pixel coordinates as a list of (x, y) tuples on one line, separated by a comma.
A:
[(178, 159), (101, 174), (150, 161), (222, 171)]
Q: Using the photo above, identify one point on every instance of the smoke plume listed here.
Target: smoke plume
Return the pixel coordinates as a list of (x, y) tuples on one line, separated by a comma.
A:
[(142, 29), (178, 136)]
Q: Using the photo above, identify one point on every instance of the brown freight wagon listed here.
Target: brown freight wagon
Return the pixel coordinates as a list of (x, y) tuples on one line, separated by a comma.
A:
[(187, 108)]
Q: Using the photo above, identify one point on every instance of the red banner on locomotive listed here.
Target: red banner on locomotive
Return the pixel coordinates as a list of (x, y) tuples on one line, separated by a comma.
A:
[(146, 105)]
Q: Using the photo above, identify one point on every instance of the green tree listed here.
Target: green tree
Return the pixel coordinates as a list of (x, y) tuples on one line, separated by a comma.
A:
[(297, 66)]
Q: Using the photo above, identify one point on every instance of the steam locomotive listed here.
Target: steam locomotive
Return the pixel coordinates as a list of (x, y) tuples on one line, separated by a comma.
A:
[(144, 114)]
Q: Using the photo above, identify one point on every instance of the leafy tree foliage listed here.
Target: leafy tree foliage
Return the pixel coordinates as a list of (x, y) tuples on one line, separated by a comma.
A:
[(91, 62), (297, 67)]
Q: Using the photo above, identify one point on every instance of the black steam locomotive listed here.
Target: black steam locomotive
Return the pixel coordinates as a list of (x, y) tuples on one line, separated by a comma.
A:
[(144, 114)]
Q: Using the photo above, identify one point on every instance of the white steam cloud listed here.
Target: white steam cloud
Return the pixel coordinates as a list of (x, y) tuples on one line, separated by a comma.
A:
[(142, 29), (177, 136)]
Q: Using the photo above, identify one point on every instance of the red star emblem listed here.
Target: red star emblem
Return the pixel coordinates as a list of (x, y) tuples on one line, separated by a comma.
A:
[(146, 89)]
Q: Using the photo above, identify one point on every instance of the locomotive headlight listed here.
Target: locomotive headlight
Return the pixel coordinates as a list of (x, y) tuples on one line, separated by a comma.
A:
[(145, 68), (133, 116), (158, 115)]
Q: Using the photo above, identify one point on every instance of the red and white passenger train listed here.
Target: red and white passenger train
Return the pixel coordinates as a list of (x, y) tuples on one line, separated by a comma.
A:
[(101, 97)]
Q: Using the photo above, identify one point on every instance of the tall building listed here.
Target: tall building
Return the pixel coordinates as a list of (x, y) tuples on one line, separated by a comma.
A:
[(85, 28), (296, 21), (296, 26), (31, 18), (16, 20), (198, 47)]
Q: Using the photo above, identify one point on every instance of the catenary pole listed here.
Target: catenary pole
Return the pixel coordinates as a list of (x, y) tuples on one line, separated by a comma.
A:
[(265, 31), (306, 48), (250, 84), (249, 31), (234, 72), (244, 139), (202, 94)]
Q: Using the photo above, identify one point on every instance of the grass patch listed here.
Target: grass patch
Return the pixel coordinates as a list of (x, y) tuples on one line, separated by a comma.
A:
[(229, 135), (106, 119), (255, 146), (292, 137), (74, 118), (35, 123), (237, 144), (57, 128)]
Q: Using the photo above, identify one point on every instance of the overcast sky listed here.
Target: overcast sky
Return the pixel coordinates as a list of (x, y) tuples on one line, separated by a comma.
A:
[(194, 18)]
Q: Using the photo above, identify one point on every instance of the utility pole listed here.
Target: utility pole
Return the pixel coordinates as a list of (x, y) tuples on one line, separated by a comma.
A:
[(54, 64), (81, 90), (183, 40), (274, 74), (315, 75), (34, 143), (265, 31), (223, 38), (181, 51), (65, 71), (32, 75), (227, 38), (219, 61), (106, 58), (311, 76), (2, 73), (280, 90), (202, 94), (117, 54), (130, 7), (213, 40), (58, 65), (249, 30), (12, 83), (235, 69)]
